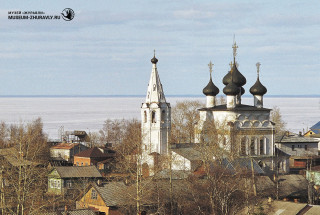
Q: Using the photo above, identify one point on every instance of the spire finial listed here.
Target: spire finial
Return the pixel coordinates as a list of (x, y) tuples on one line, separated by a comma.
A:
[(258, 68), (154, 60), (234, 47), (210, 68), (231, 65)]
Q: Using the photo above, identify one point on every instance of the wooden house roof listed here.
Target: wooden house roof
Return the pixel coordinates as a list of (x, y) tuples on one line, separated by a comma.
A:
[(114, 193), (13, 157), (78, 172), (92, 153), (65, 146)]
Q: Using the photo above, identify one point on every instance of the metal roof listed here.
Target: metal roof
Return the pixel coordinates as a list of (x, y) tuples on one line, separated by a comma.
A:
[(316, 128), (113, 193), (294, 138), (78, 172), (189, 153), (237, 108), (246, 164)]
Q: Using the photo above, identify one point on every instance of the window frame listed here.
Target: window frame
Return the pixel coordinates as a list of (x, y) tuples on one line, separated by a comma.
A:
[(94, 194)]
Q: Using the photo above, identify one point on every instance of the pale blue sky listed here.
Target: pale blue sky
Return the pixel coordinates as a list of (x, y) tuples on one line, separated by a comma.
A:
[(106, 49)]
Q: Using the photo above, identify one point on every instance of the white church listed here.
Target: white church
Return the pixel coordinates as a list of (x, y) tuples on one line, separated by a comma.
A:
[(255, 131)]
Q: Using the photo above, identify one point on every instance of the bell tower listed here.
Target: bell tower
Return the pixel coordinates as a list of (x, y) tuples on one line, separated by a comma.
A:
[(155, 119)]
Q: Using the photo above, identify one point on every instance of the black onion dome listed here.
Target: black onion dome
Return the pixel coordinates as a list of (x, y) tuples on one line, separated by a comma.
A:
[(231, 89), (258, 88), (154, 60), (210, 89), (237, 77), (242, 90), (227, 78)]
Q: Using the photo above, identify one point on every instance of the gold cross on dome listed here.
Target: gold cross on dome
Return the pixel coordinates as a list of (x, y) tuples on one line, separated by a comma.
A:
[(234, 47), (231, 65), (258, 67), (210, 67)]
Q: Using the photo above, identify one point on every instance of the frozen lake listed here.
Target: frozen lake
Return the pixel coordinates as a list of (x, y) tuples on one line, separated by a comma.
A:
[(89, 113)]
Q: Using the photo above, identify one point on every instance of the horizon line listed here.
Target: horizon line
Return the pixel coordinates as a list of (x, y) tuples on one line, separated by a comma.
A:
[(106, 96)]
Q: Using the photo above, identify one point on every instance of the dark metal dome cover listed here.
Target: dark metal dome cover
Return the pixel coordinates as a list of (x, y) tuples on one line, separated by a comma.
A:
[(258, 88), (231, 89), (210, 89), (237, 78), (154, 60), (227, 78)]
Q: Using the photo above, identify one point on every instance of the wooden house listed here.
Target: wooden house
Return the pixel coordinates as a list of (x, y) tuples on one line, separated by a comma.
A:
[(302, 150), (66, 151), (91, 156), (106, 198), (61, 179), (314, 131)]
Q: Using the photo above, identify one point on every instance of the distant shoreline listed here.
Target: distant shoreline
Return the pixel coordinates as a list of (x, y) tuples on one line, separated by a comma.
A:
[(138, 96)]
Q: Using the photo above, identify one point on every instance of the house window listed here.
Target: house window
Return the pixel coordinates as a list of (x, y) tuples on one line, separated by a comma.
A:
[(68, 184), (52, 183), (306, 147), (93, 194), (55, 183), (292, 146)]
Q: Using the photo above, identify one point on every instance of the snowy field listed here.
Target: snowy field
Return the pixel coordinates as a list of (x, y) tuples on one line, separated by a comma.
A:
[(89, 113)]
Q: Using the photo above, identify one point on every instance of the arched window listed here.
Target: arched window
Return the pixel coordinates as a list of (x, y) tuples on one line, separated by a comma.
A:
[(153, 117), (261, 145), (145, 116), (243, 146), (252, 146)]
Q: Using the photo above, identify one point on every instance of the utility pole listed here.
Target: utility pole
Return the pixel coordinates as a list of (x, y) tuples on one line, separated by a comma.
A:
[(253, 181)]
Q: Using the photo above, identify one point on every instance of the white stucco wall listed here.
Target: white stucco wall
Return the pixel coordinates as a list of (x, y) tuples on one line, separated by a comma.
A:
[(180, 163)]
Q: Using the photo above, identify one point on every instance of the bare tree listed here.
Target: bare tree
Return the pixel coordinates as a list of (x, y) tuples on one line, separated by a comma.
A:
[(183, 121), (23, 168), (113, 131), (276, 117)]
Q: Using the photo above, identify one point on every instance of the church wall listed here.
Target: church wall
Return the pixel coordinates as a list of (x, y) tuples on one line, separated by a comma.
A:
[(180, 163)]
